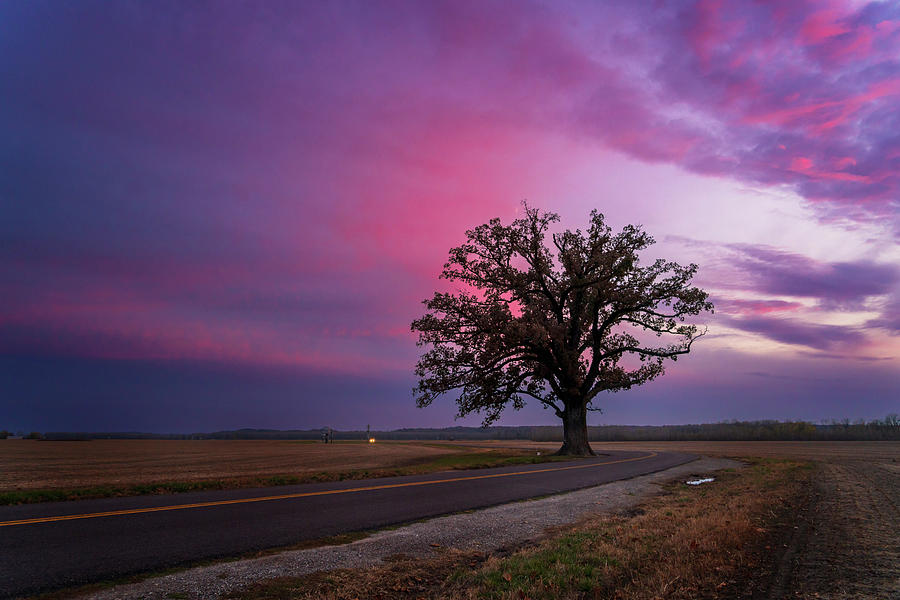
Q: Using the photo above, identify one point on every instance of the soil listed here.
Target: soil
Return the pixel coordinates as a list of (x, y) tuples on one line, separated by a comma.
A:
[(841, 542), (849, 542)]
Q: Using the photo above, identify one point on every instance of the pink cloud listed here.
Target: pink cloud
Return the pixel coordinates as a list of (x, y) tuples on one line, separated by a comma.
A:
[(707, 31), (819, 26), (819, 117), (844, 162), (805, 166), (801, 164)]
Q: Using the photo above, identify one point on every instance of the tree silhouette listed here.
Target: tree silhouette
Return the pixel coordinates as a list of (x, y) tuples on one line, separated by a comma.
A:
[(559, 325)]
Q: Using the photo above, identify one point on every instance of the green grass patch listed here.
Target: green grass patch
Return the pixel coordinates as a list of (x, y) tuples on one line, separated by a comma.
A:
[(572, 563)]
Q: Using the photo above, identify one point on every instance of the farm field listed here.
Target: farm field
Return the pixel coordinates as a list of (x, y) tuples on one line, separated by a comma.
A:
[(33, 465), (817, 451)]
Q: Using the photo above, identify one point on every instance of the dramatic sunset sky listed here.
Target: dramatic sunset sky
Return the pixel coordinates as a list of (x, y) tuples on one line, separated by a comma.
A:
[(226, 214)]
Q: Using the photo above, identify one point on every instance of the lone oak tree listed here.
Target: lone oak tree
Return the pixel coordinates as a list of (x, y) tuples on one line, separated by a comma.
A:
[(557, 326)]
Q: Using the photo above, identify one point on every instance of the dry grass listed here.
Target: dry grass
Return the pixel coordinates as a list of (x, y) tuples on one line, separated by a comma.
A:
[(820, 451), (691, 542), (55, 471), (29, 464)]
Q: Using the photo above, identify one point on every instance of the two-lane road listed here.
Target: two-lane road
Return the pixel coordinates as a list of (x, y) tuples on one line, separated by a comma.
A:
[(53, 545)]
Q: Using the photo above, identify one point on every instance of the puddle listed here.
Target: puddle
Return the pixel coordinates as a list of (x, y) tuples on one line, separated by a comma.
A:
[(699, 481)]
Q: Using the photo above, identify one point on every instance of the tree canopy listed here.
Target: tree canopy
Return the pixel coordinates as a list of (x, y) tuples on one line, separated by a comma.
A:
[(556, 317)]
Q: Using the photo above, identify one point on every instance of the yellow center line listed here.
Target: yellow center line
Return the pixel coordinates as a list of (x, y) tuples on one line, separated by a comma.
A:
[(134, 511)]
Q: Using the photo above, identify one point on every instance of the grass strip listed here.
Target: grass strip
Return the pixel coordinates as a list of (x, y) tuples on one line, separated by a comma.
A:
[(689, 542), (462, 461)]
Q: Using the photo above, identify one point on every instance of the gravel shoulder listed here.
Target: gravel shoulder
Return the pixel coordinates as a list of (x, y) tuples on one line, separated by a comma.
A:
[(489, 530)]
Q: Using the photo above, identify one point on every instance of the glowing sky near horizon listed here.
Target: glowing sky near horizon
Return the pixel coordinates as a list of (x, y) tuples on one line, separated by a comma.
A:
[(226, 215)]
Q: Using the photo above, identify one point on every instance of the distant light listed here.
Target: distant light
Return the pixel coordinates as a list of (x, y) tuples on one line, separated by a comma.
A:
[(371, 440)]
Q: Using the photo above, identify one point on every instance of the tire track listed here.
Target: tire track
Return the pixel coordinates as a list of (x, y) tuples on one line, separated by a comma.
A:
[(850, 547)]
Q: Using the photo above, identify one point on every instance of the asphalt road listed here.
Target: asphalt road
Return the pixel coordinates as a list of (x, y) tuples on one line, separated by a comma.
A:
[(61, 544)]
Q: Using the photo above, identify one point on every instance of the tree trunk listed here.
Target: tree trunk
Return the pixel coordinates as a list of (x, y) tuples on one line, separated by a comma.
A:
[(575, 436)]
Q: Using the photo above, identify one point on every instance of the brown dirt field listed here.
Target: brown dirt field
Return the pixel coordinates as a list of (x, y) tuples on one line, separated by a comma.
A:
[(30, 464), (847, 544)]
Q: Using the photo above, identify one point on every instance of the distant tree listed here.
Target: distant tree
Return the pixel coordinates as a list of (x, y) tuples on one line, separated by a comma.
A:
[(559, 325), (4, 434), (34, 435)]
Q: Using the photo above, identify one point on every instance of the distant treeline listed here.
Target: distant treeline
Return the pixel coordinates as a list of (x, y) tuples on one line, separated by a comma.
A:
[(887, 429), (884, 429)]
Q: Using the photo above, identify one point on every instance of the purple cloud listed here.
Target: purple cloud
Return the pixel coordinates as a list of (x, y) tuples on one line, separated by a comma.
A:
[(889, 318), (774, 271), (788, 331), (766, 270), (814, 103), (736, 269)]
